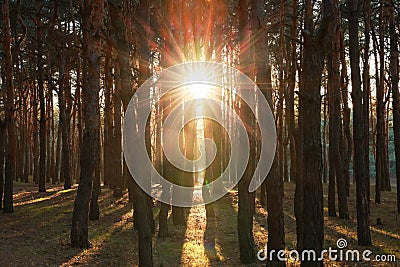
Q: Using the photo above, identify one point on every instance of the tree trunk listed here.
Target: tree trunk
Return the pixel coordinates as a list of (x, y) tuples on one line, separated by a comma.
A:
[(94, 212), (35, 136), (26, 142), (273, 185), (117, 136), (246, 199), (325, 161), (290, 99), (366, 87), (143, 202), (9, 113), (332, 178), (42, 121), (299, 190), (108, 87), (315, 48), (92, 24), (65, 119), (394, 75), (58, 156), (3, 135), (347, 149), (379, 153), (335, 125), (360, 172)]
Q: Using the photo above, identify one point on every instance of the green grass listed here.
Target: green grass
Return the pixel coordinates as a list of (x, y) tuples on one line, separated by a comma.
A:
[(37, 233)]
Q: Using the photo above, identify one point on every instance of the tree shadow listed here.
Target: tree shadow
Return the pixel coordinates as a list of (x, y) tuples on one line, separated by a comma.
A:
[(114, 241), (168, 251), (42, 229)]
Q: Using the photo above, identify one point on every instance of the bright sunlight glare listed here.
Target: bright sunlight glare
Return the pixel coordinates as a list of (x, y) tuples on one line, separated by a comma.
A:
[(199, 74), (198, 90)]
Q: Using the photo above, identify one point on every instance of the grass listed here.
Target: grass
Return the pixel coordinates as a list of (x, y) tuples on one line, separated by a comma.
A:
[(37, 233)]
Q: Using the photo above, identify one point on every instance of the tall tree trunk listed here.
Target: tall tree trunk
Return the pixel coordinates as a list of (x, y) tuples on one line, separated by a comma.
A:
[(246, 199), (274, 182), (347, 149), (366, 86), (42, 102), (335, 125), (117, 136), (64, 104), (143, 202), (121, 80), (325, 153), (360, 172), (35, 135), (394, 75), (108, 85), (9, 113), (291, 89), (92, 24), (315, 48), (380, 110), (53, 144)]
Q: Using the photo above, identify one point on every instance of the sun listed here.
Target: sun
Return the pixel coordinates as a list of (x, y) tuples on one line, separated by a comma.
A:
[(199, 90), (199, 75)]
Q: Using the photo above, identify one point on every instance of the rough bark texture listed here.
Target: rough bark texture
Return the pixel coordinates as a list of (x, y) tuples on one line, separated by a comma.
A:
[(64, 103), (108, 85), (42, 121), (290, 99), (380, 114), (11, 149), (94, 211), (394, 75), (273, 185), (315, 47), (3, 132), (117, 135), (143, 202), (347, 148), (246, 200), (92, 23), (363, 232), (335, 125), (366, 86)]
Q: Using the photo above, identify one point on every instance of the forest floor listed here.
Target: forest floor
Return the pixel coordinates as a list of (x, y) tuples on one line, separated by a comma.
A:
[(37, 233)]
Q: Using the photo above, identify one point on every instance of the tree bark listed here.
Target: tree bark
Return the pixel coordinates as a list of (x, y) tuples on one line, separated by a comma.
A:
[(117, 136), (347, 149), (315, 48), (94, 212), (360, 172), (58, 156), (246, 204), (380, 110), (92, 24), (143, 202), (335, 125), (366, 86), (3, 135), (108, 87), (9, 113), (42, 121), (291, 89), (394, 76), (64, 103)]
